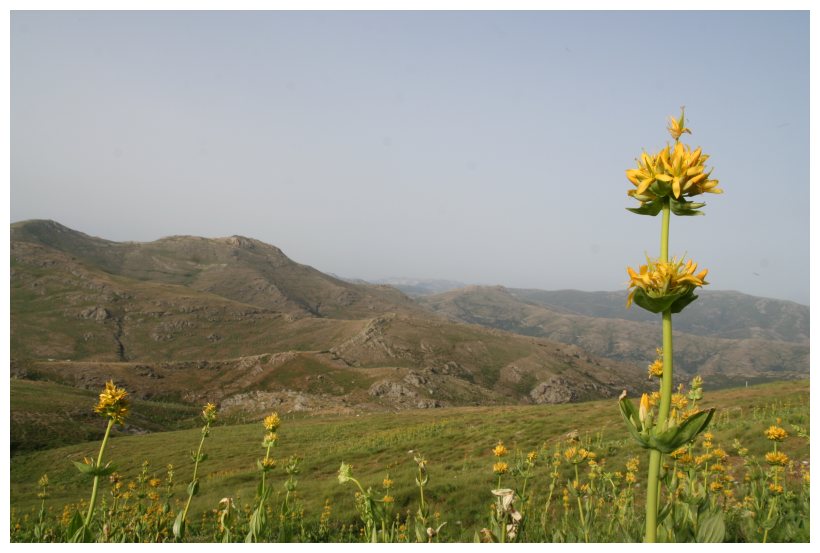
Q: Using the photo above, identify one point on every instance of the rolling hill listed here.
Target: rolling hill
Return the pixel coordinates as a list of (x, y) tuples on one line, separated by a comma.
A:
[(773, 346), (234, 320)]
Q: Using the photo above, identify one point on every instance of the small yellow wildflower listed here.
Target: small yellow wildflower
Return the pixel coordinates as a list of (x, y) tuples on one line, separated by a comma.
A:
[(676, 126), (209, 413), (776, 434), (777, 458), (630, 478), (387, 499), (499, 450), (775, 488), (154, 482), (720, 454), (113, 403), (501, 467), (679, 401), (387, 483), (270, 439), (271, 422), (531, 457), (678, 453), (716, 486), (656, 368), (268, 463), (632, 464)]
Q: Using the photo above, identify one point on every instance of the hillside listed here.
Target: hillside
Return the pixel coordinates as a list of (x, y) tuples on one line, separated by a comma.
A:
[(701, 349), (177, 320), (720, 314)]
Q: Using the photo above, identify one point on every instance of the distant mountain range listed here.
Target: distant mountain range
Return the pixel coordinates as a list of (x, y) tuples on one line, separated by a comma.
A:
[(234, 320)]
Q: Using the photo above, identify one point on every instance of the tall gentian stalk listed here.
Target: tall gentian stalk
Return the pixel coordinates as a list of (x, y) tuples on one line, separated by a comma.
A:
[(113, 405), (663, 182), (208, 417)]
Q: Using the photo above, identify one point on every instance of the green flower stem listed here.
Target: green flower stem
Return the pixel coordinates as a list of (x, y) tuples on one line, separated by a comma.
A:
[(196, 468), (652, 496), (653, 483), (98, 464), (665, 231)]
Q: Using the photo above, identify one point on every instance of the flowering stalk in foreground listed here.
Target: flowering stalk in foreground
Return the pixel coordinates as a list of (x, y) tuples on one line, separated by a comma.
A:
[(258, 521), (662, 183), (114, 405), (209, 417)]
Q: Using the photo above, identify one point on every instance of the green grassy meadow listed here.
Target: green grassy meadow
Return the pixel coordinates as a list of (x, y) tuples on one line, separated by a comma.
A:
[(457, 443)]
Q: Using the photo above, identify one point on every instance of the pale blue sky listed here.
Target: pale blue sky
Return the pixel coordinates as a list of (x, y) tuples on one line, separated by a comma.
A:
[(485, 147)]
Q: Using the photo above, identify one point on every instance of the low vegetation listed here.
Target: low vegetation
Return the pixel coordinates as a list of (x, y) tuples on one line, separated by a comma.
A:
[(564, 473)]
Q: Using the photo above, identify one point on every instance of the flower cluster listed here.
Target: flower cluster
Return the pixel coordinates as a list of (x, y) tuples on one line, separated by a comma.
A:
[(113, 403), (674, 172), (664, 281)]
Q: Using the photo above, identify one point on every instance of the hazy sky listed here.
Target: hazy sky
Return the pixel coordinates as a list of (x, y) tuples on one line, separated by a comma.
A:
[(486, 147)]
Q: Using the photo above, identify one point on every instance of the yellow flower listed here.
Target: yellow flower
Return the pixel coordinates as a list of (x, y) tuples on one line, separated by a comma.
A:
[(776, 434), (679, 401), (271, 422), (716, 486), (499, 450), (501, 467), (656, 368), (387, 499), (209, 413), (270, 439), (775, 488), (630, 478), (777, 458), (113, 403), (632, 464), (643, 411), (676, 127), (659, 279), (387, 483), (531, 457), (154, 482)]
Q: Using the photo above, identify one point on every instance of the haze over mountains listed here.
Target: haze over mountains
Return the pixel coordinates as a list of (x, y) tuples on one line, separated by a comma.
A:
[(234, 320)]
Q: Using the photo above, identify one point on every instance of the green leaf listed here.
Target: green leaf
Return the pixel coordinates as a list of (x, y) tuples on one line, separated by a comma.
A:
[(179, 526), (672, 438), (633, 421), (84, 468), (682, 302), (649, 208), (654, 305), (684, 208), (711, 529), (92, 470), (193, 487)]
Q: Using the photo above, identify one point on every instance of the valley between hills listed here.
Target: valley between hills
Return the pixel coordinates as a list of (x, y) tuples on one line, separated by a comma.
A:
[(184, 320)]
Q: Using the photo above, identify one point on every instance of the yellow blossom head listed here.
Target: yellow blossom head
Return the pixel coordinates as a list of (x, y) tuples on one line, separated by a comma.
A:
[(656, 368), (675, 172), (499, 450), (209, 413), (777, 458), (271, 422), (660, 285), (776, 434), (501, 467), (113, 403)]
